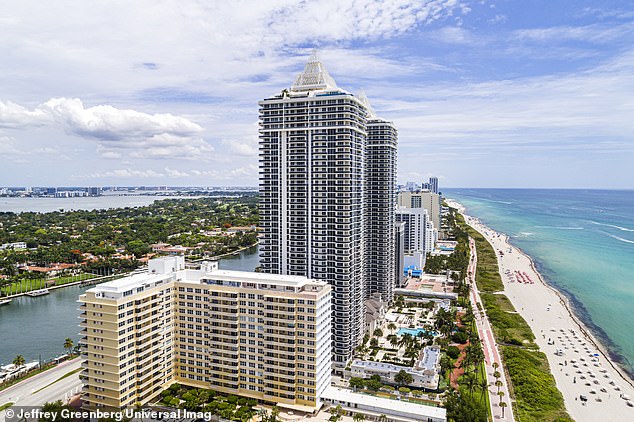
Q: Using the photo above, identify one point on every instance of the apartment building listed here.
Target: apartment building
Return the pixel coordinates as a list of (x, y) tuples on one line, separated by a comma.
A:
[(381, 256), (416, 229), (422, 199), (256, 335), (327, 169)]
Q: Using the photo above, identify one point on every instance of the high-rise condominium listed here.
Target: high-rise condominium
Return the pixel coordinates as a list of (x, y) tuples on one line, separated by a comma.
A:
[(381, 200), (262, 336), (433, 184), (325, 210)]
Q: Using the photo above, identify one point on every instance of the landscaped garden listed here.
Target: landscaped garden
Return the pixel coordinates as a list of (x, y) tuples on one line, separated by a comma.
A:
[(227, 406)]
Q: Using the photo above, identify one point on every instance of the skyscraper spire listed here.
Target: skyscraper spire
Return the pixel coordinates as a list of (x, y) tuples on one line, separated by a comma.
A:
[(314, 77), (366, 102)]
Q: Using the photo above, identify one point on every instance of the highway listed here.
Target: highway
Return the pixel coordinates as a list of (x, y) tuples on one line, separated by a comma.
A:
[(26, 392)]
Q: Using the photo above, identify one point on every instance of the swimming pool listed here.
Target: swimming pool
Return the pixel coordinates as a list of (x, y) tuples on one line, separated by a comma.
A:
[(411, 331)]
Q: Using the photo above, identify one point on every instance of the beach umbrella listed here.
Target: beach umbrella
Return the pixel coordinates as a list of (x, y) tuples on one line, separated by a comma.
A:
[(625, 397), (617, 388), (593, 391)]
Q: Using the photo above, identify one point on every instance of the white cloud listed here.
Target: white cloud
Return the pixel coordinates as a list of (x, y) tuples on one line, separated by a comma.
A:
[(125, 174), (175, 173), (8, 146), (13, 116), (116, 131), (567, 112), (596, 33), (246, 146)]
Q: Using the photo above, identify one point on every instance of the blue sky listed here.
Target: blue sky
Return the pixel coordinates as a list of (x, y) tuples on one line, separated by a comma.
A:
[(484, 93)]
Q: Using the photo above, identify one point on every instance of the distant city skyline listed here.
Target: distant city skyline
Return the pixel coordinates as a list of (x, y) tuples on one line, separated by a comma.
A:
[(484, 93)]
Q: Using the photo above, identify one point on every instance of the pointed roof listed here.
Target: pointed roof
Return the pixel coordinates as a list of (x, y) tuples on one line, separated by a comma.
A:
[(314, 77), (366, 102)]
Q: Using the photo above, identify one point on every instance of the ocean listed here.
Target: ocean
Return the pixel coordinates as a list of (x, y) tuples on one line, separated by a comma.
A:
[(582, 242)]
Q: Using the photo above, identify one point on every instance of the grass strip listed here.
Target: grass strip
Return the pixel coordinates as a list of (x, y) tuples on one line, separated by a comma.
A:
[(537, 398), (14, 381), (6, 406), (74, 371)]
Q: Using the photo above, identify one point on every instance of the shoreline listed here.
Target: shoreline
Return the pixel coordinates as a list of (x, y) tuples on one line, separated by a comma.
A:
[(587, 332), (529, 300)]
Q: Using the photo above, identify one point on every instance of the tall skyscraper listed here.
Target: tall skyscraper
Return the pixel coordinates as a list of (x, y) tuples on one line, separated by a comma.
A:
[(314, 194), (433, 184), (381, 194)]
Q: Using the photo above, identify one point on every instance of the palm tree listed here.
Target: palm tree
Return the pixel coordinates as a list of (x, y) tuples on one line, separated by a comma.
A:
[(496, 365), (498, 384), (394, 340), (391, 326), (337, 413), (382, 418), (501, 394), (471, 382), (358, 417), (484, 385), (19, 360), (68, 345), (502, 405)]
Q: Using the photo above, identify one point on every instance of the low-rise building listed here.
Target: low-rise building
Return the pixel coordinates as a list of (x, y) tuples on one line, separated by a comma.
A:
[(257, 335), (14, 245), (424, 373), (382, 409), (374, 313)]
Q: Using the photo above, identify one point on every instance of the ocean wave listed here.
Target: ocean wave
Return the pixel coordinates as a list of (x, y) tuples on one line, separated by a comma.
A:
[(559, 227), (619, 238), (625, 229), (524, 234), (497, 202)]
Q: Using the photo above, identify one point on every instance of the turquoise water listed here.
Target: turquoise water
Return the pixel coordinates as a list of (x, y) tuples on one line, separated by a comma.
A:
[(411, 331), (582, 242)]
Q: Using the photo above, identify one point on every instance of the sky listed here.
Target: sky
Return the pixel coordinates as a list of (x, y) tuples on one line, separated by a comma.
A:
[(500, 93)]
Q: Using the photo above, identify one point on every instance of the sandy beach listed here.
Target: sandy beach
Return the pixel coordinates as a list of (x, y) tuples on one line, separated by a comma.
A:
[(577, 361)]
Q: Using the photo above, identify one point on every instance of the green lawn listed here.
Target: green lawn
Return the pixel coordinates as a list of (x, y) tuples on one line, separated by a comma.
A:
[(23, 286), (532, 385)]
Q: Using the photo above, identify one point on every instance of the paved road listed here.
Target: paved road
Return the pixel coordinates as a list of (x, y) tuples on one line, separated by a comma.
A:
[(491, 352), (23, 393)]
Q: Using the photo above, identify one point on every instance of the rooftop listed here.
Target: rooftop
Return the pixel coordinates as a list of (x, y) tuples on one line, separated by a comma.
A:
[(400, 406), (207, 273), (314, 77)]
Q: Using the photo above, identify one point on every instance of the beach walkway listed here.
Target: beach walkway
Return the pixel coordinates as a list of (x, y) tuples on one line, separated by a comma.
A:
[(593, 387), (491, 352)]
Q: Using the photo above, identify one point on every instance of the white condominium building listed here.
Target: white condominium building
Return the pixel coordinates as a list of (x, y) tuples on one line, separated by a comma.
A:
[(422, 199), (418, 229), (256, 335), (318, 191), (381, 199)]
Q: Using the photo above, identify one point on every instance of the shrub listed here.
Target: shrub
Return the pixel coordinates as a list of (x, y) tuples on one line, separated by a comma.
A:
[(453, 352), (459, 337)]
